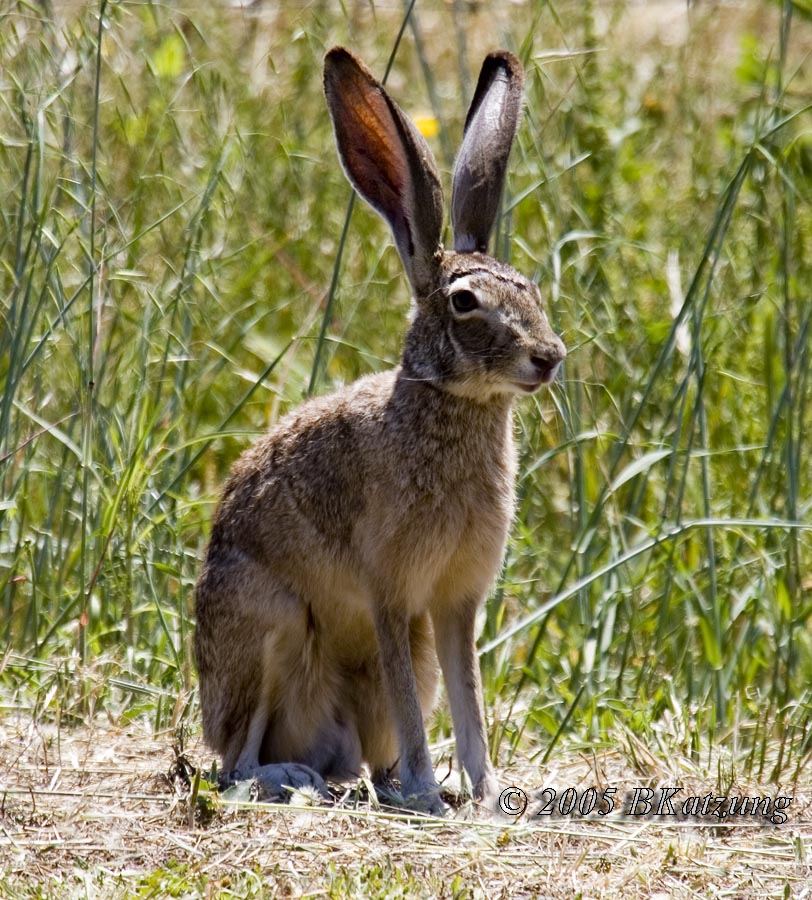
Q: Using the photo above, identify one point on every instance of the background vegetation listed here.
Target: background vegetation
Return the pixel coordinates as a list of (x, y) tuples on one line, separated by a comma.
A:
[(170, 283)]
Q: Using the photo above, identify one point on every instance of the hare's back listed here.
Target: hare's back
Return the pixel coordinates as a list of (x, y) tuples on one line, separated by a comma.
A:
[(308, 470)]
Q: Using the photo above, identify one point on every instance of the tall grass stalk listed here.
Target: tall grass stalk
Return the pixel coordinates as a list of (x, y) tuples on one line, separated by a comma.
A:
[(94, 304)]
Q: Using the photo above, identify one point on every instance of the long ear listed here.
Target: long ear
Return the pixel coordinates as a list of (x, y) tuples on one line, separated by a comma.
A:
[(387, 161), (480, 170)]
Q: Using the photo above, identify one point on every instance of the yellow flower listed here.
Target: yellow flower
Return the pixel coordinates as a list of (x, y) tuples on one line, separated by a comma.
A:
[(428, 126)]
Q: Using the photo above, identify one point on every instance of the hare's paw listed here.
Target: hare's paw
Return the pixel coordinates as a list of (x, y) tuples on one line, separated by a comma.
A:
[(279, 779), (428, 802), (486, 791), (276, 781), (424, 799)]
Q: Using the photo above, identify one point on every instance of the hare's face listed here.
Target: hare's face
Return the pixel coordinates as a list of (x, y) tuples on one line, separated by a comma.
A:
[(488, 319)]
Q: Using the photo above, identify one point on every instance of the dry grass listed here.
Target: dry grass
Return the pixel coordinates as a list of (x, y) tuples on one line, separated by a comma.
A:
[(96, 810)]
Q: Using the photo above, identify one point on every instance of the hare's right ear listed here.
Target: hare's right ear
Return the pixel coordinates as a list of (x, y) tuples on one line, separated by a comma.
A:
[(479, 174), (387, 161)]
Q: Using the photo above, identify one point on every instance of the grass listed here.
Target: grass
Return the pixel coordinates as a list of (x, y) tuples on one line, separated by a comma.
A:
[(180, 264), (156, 843)]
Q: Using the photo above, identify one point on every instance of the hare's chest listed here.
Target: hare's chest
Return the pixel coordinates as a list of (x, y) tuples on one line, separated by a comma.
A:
[(459, 557), (458, 551), (436, 518), (480, 527)]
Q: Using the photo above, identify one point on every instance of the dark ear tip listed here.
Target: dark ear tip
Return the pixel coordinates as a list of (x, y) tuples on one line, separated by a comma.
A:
[(337, 58), (508, 61), (334, 54), (341, 64)]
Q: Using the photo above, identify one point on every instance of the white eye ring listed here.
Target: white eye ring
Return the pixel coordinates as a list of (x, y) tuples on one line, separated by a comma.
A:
[(464, 301)]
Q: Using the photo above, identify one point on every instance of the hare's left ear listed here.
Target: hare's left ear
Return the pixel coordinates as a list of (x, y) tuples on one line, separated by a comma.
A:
[(479, 174)]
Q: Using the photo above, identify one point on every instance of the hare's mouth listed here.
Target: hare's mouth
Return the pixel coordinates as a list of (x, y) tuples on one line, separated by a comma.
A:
[(546, 374), (530, 388)]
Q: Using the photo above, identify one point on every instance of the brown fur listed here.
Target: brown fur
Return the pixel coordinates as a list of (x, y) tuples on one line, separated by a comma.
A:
[(355, 542)]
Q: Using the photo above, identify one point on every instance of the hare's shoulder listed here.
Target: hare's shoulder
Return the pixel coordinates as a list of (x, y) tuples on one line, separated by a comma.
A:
[(311, 464), (340, 417), (322, 439)]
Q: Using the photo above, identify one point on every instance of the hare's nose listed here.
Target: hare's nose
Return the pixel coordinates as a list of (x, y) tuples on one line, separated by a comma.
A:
[(548, 358)]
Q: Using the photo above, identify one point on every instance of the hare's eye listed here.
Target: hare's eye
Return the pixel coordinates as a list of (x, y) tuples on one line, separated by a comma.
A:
[(464, 301)]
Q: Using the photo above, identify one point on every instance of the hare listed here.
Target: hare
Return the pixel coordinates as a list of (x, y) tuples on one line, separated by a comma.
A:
[(356, 541)]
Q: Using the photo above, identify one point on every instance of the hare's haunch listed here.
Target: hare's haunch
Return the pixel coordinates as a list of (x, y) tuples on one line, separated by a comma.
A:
[(355, 542)]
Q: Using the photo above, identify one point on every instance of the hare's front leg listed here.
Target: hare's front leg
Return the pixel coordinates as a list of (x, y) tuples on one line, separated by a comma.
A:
[(455, 638), (416, 771)]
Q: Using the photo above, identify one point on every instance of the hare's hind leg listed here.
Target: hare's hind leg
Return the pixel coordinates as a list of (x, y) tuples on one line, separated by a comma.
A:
[(311, 720), (298, 765), (251, 639), (228, 654)]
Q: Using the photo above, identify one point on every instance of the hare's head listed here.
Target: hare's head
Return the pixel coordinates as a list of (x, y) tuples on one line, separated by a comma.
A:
[(478, 327)]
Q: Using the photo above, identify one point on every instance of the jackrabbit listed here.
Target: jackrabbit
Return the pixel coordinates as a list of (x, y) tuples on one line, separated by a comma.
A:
[(356, 541)]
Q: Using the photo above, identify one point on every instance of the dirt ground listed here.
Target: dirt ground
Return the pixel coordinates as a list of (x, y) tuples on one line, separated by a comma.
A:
[(114, 804)]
